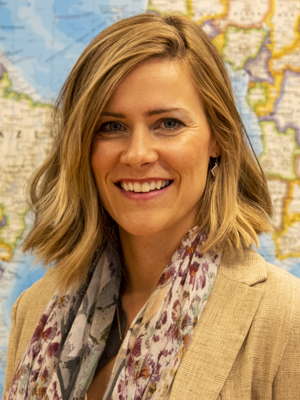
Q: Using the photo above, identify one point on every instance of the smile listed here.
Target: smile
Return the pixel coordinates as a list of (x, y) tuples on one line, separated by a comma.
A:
[(144, 187)]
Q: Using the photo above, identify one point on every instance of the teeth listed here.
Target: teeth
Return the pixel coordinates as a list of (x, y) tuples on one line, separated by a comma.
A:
[(137, 187), (145, 187), (158, 184), (152, 185)]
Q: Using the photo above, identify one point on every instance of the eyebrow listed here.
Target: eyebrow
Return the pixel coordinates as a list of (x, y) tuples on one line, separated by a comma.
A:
[(149, 113), (162, 111), (112, 114)]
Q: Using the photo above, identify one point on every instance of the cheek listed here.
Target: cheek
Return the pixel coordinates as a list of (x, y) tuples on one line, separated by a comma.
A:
[(198, 170), (194, 159), (102, 160)]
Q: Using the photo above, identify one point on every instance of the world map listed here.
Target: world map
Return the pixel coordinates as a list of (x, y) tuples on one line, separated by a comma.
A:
[(40, 42)]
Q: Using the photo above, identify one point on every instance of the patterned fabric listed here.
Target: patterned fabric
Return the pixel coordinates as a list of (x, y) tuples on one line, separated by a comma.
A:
[(63, 354)]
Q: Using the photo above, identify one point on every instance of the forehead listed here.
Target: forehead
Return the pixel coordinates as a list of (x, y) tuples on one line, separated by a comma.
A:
[(155, 83)]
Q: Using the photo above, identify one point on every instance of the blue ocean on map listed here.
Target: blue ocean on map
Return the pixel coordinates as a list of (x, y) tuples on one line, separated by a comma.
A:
[(44, 39)]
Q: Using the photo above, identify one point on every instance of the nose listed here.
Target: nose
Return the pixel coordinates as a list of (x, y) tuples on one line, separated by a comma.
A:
[(140, 149)]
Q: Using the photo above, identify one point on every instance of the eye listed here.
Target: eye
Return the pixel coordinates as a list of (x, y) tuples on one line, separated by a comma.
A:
[(110, 126), (171, 124)]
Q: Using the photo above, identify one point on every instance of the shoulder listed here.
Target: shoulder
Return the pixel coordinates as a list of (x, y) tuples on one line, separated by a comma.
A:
[(252, 269), (281, 278), (277, 317), (274, 337), (281, 300), (32, 302), (274, 333), (25, 315), (281, 290)]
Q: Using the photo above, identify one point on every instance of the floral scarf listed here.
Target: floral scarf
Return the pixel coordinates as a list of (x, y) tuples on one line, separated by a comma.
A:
[(60, 361)]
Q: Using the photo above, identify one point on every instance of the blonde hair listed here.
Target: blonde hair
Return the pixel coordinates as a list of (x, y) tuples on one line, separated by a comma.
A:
[(70, 222)]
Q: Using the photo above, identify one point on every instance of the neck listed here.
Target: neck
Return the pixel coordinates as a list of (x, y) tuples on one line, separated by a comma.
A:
[(145, 259)]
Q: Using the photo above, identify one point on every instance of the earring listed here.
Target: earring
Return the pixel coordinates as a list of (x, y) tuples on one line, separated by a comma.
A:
[(214, 170)]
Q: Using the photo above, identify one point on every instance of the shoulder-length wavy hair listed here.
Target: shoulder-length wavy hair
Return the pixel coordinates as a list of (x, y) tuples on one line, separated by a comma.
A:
[(70, 221)]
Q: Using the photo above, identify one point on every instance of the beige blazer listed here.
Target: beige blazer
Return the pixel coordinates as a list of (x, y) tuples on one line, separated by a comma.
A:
[(245, 346)]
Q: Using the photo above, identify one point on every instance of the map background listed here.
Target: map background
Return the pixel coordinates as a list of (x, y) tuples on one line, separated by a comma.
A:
[(41, 40)]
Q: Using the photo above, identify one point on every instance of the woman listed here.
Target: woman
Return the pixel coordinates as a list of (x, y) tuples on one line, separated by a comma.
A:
[(148, 206)]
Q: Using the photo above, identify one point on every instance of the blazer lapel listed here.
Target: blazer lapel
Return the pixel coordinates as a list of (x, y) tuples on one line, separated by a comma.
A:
[(221, 329)]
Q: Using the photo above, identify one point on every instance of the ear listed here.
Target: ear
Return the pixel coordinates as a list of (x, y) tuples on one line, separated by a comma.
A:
[(215, 148)]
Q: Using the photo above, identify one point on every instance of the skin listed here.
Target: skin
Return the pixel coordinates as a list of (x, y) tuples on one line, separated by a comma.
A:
[(153, 128)]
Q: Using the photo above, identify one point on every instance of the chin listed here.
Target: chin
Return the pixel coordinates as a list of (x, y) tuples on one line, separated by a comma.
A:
[(139, 230), (142, 227)]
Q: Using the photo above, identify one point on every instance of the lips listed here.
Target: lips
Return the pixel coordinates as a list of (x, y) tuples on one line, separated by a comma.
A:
[(144, 187)]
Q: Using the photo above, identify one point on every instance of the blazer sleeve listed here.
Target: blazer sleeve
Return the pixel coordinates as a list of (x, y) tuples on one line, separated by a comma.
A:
[(25, 316), (12, 347), (287, 381)]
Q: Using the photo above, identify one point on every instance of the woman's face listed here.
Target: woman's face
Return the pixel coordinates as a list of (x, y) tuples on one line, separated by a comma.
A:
[(151, 152)]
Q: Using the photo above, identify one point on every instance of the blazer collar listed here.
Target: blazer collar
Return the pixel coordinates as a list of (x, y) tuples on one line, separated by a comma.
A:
[(245, 267), (222, 328)]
